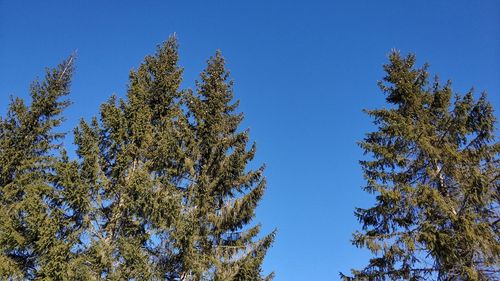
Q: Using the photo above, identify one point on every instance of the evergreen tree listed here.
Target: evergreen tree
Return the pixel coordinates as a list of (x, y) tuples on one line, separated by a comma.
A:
[(36, 225), (435, 171), (130, 162), (160, 190), (164, 180), (220, 196)]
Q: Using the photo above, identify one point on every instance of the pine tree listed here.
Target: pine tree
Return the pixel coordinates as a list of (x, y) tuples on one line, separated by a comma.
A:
[(165, 170), (160, 189), (221, 194), (435, 171), (130, 161), (35, 226)]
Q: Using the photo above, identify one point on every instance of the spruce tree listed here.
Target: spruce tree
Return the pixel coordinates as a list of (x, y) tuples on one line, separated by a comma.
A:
[(166, 173), (435, 172), (35, 223), (160, 189), (221, 193), (130, 160)]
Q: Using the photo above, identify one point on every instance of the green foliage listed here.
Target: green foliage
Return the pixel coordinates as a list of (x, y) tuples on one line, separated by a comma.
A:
[(435, 172), (130, 162), (161, 189), (36, 224), (167, 168), (220, 196)]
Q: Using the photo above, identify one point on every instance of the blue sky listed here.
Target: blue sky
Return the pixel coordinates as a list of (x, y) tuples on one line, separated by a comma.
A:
[(303, 72)]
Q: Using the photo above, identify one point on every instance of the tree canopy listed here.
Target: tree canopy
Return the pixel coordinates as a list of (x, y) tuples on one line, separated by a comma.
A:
[(163, 185), (434, 169), (161, 189)]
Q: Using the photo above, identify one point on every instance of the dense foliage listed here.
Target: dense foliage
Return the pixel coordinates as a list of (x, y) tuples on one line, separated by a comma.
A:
[(160, 190), (435, 172), (37, 227), (162, 187)]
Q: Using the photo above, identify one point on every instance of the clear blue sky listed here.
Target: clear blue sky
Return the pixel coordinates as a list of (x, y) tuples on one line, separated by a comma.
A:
[(303, 73)]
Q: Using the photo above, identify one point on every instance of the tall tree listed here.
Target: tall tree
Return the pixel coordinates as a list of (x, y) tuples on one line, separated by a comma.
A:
[(35, 223), (169, 192), (435, 171), (160, 189), (221, 194), (130, 162)]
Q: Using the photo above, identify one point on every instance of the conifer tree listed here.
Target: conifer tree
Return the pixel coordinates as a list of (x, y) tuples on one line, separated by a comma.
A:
[(166, 173), (221, 194), (130, 161), (35, 223), (160, 190), (435, 171)]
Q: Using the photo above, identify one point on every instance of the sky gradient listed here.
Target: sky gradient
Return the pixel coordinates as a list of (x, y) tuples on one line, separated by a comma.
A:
[(303, 72)]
